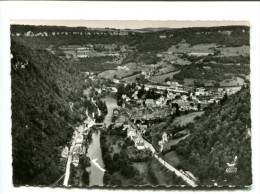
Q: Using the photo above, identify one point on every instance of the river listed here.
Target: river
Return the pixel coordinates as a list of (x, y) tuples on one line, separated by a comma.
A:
[(94, 150)]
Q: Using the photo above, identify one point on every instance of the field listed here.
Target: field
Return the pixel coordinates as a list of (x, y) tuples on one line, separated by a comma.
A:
[(172, 158), (187, 48), (163, 175), (234, 51), (131, 79), (120, 73), (161, 78), (185, 119), (232, 82), (174, 58), (173, 142), (166, 69), (189, 81)]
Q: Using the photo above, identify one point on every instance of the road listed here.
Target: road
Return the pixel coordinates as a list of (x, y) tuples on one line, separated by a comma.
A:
[(178, 173), (67, 173), (163, 162)]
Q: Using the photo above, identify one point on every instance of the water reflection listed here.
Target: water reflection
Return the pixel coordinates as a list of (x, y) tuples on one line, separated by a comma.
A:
[(94, 150)]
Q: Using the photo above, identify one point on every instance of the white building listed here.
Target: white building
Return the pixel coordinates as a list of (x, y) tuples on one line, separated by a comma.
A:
[(116, 81), (164, 137), (131, 132), (139, 144)]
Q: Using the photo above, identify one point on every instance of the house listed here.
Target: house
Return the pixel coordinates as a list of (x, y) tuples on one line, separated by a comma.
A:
[(79, 139), (139, 144), (211, 101), (139, 102), (120, 121), (184, 105), (143, 73), (149, 102), (162, 36), (146, 88), (204, 104), (172, 110), (143, 128), (83, 54), (124, 96), (138, 87), (75, 133), (199, 54), (127, 99), (116, 81), (135, 95), (170, 95), (164, 137), (184, 97), (161, 145), (78, 149), (175, 84), (75, 159), (161, 101), (123, 68), (131, 132), (65, 152), (92, 77), (201, 92)]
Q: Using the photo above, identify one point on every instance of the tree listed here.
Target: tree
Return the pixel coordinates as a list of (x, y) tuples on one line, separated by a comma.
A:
[(167, 79), (128, 171), (199, 106), (85, 177)]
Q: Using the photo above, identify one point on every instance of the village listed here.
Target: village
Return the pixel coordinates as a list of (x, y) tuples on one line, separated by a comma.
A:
[(145, 105), (140, 108)]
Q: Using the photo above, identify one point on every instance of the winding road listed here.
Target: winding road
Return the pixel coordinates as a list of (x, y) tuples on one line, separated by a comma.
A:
[(163, 162)]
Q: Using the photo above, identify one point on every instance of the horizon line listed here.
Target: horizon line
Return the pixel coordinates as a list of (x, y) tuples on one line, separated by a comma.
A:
[(130, 24)]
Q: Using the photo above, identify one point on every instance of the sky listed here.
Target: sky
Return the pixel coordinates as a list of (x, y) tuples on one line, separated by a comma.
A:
[(131, 24)]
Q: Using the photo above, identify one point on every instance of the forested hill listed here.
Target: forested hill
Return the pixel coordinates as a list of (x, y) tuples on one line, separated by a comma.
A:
[(217, 137), (229, 36), (42, 87)]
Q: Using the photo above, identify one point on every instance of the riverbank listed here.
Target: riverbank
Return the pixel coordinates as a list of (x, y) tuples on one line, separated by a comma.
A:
[(97, 167)]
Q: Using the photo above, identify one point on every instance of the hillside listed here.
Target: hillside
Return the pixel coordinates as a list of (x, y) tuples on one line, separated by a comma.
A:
[(217, 137), (42, 87), (229, 36)]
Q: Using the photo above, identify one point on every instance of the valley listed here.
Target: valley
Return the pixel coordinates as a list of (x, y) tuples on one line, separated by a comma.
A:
[(119, 107)]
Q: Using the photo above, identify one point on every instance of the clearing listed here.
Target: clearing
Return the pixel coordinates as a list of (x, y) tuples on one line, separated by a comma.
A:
[(185, 119), (131, 79), (172, 158), (232, 82), (163, 175), (173, 142), (234, 51), (161, 78), (187, 48)]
